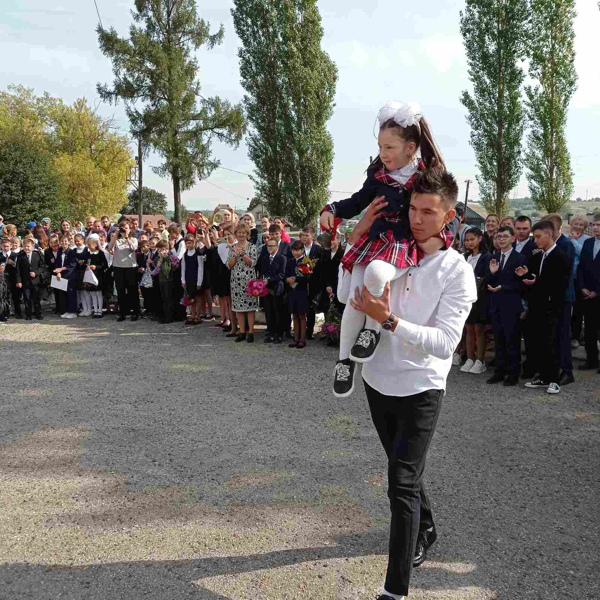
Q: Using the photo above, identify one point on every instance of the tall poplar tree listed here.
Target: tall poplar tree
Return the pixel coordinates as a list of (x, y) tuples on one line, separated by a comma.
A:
[(156, 75), (290, 88), (495, 39), (552, 65)]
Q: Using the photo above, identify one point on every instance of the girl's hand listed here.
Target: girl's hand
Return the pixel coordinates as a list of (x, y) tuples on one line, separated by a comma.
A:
[(92, 267), (58, 275), (494, 266), (291, 280), (327, 220)]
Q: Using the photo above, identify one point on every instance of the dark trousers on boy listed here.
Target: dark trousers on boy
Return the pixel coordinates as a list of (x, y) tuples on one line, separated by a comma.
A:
[(60, 297), (17, 294), (405, 426), (274, 313), (167, 300), (507, 339), (32, 300)]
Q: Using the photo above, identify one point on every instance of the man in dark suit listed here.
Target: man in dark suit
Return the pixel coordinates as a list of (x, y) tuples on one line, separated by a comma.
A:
[(30, 264), (9, 257), (272, 268), (505, 288), (588, 283), (329, 273), (564, 323), (524, 244), (546, 277), (314, 252)]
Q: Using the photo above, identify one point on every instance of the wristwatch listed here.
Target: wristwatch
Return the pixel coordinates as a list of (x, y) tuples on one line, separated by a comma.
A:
[(389, 322)]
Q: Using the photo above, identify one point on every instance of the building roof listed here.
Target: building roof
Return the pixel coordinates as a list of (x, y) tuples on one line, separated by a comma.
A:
[(471, 214)]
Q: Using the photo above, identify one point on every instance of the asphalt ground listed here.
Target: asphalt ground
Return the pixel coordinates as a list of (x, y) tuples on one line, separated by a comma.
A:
[(163, 462)]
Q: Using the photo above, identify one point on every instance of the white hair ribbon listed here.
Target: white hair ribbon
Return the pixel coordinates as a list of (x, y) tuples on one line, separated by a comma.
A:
[(403, 115)]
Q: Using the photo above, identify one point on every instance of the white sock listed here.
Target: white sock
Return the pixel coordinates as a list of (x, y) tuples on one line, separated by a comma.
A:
[(377, 275), (394, 596), (352, 320)]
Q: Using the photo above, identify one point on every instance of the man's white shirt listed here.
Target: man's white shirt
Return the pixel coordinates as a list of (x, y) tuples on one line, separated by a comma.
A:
[(432, 302)]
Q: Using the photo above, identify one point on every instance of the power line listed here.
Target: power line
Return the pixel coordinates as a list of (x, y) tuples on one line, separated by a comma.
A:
[(98, 12), (233, 171), (225, 190)]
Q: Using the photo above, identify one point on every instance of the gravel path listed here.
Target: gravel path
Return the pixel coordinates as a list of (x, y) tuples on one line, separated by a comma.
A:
[(147, 461)]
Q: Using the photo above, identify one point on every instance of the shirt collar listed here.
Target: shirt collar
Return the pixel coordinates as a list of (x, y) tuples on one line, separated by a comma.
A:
[(550, 249)]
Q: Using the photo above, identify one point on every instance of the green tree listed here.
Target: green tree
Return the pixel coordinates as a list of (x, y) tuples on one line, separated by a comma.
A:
[(552, 65), (290, 88), (155, 203), (155, 74), (495, 39)]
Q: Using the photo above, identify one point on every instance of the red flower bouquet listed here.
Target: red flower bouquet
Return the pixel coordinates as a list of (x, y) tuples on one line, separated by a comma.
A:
[(257, 287), (305, 267)]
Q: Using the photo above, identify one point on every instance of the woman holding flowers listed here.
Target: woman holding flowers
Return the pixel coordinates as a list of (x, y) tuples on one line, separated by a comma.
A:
[(242, 262)]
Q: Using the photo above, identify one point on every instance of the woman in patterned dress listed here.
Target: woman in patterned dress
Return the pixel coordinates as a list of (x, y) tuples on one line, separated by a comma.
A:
[(242, 261)]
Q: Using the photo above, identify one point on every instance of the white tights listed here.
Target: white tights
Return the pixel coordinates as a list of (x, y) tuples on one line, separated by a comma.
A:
[(374, 277), (84, 298), (96, 302)]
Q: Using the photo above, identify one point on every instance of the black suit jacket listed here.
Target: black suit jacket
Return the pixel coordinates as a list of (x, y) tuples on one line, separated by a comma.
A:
[(330, 269), (588, 271), (528, 248), (547, 294), (273, 272), (51, 262), (508, 298), (24, 268)]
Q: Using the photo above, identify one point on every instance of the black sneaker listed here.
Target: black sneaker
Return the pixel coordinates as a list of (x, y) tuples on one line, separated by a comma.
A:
[(366, 344), (537, 383), (343, 378)]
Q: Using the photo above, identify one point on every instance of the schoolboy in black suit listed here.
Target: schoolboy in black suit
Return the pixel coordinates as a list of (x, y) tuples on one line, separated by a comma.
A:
[(329, 273), (272, 268), (588, 283), (30, 264), (505, 288), (314, 252), (546, 277)]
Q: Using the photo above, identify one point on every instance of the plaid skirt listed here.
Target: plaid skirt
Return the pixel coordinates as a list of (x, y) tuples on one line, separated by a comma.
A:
[(400, 253)]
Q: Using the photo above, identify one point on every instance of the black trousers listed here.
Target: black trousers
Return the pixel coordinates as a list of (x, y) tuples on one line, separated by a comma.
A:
[(405, 426), (61, 301), (545, 351), (274, 313), (127, 290), (577, 317), (591, 313), (17, 294), (564, 339), (507, 339), (167, 297), (32, 300)]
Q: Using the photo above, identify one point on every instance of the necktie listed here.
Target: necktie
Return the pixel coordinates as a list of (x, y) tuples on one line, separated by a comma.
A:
[(502, 261), (542, 263), (271, 257)]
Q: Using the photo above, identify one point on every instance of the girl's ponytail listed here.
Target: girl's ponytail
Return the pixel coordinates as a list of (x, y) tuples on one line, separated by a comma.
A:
[(429, 151)]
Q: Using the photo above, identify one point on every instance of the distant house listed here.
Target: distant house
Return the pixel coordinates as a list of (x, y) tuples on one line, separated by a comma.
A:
[(473, 218)]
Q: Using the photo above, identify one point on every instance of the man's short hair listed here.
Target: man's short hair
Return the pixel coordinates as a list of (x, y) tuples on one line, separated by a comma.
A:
[(555, 219), (440, 183), (546, 225), (309, 229), (522, 219), (274, 228), (460, 211), (596, 217), (507, 228)]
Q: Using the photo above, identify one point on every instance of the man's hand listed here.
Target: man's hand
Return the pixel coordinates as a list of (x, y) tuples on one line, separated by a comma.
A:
[(521, 271), (587, 295), (291, 280), (494, 266), (376, 308), (140, 269), (494, 289), (32, 274), (19, 285), (530, 281), (371, 215)]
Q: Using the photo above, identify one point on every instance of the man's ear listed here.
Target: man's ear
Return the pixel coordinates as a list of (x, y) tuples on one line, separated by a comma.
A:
[(449, 216)]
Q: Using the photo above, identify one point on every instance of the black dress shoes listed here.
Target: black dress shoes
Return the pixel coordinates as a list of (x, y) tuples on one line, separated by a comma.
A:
[(120, 319), (495, 378), (425, 540), (510, 381), (566, 379)]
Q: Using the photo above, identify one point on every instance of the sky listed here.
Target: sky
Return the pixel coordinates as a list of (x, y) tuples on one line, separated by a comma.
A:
[(383, 51)]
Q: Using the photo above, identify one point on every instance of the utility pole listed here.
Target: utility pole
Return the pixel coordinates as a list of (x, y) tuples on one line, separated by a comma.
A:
[(140, 188), (468, 182)]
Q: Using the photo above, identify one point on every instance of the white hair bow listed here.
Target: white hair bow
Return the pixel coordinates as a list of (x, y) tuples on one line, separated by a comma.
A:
[(405, 116)]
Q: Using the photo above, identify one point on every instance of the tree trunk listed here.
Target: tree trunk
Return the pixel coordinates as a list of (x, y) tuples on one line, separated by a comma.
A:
[(177, 195)]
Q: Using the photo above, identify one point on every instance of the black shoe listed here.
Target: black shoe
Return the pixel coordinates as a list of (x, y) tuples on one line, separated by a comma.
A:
[(586, 366), (511, 380), (28, 318), (232, 334), (3, 320), (538, 382), (227, 328), (425, 540), (120, 319), (565, 379), (268, 340), (343, 378), (310, 337), (365, 346), (277, 340), (39, 317), (135, 317), (383, 597), (495, 378), (241, 337), (250, 338), (293, 344), (492, 363)]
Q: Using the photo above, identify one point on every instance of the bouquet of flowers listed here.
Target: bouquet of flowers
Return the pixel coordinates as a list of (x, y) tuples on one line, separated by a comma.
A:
[(186, 300), (306, 267), (257, 287), (332, 326)]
